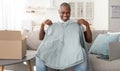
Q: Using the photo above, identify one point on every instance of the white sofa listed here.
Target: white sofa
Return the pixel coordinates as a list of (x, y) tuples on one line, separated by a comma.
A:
[(101, 64), (95, 63)]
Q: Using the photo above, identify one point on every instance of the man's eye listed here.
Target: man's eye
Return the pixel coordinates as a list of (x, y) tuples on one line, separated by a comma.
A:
[(62, 12), (65, 13)]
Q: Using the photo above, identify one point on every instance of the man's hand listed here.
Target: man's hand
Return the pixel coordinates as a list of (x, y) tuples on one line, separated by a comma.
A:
[(48, 22), (82, 21), (87, 33), (42, 32)]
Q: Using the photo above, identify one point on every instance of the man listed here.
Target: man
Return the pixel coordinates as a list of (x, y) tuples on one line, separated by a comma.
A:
[(63, 46)]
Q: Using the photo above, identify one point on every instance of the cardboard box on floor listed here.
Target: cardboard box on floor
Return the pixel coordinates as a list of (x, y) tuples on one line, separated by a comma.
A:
[(12, 46)]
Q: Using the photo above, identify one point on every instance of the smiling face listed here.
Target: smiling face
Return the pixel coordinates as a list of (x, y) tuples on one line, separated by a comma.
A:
[(64, 12)]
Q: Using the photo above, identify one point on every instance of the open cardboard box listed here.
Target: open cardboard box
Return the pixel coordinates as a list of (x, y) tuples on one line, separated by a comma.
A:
[(12, 45)]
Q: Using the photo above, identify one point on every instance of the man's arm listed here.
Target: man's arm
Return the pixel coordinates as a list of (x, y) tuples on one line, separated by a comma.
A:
[(87, 33), (42, 31)]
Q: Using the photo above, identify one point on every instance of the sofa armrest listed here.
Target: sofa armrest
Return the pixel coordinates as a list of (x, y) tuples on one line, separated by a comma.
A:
[(114, 50)]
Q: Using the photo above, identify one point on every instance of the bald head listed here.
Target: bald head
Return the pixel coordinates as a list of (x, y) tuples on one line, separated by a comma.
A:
[(65, 5)]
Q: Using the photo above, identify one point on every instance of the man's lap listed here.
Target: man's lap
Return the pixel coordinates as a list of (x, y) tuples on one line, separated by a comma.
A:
[(80, 67)]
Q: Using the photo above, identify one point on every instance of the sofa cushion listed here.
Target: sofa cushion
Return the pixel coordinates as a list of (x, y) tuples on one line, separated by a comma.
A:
[(95, 33), (33, 41), (104, 65), (101, 44)]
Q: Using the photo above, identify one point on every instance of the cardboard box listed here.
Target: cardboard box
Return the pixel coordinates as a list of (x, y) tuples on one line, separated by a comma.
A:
[(12, 46)]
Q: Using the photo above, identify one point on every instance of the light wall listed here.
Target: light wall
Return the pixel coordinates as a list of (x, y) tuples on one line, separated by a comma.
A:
[(114, 23), (100, 21)]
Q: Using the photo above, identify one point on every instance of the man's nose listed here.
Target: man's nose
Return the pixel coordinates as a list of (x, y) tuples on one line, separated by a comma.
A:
[(65, 14)]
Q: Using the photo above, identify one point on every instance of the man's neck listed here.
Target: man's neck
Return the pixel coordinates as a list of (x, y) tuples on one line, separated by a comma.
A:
[(64, 21)]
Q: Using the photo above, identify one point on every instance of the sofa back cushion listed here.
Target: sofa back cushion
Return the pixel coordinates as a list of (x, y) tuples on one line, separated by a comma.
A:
[(33, 41), (95, 33), (101, 44)]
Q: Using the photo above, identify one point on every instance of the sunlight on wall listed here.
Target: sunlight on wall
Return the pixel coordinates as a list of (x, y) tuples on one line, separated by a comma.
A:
[(11, 12), (100, 21), (38, 3)]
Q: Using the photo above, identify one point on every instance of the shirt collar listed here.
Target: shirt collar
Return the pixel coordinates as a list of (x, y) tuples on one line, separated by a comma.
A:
[(64, 22)]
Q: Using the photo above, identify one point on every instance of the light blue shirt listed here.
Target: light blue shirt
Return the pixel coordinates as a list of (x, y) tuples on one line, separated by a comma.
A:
[(62, 45)]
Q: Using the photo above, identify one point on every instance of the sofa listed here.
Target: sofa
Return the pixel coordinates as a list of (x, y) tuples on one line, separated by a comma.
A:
[(96, 64)]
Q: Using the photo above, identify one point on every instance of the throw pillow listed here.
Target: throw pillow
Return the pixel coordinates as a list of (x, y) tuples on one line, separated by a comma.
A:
[(33, 41), (101, 44)]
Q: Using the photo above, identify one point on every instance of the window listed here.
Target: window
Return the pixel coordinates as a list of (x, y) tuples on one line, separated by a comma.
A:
[(11, 14), (81, 10)]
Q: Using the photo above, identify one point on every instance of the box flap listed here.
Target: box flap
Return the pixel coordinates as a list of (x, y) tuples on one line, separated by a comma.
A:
[(10, 35)]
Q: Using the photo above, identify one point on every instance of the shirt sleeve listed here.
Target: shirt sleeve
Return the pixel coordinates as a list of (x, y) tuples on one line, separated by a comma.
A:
[(84, 27), (48, 29)]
